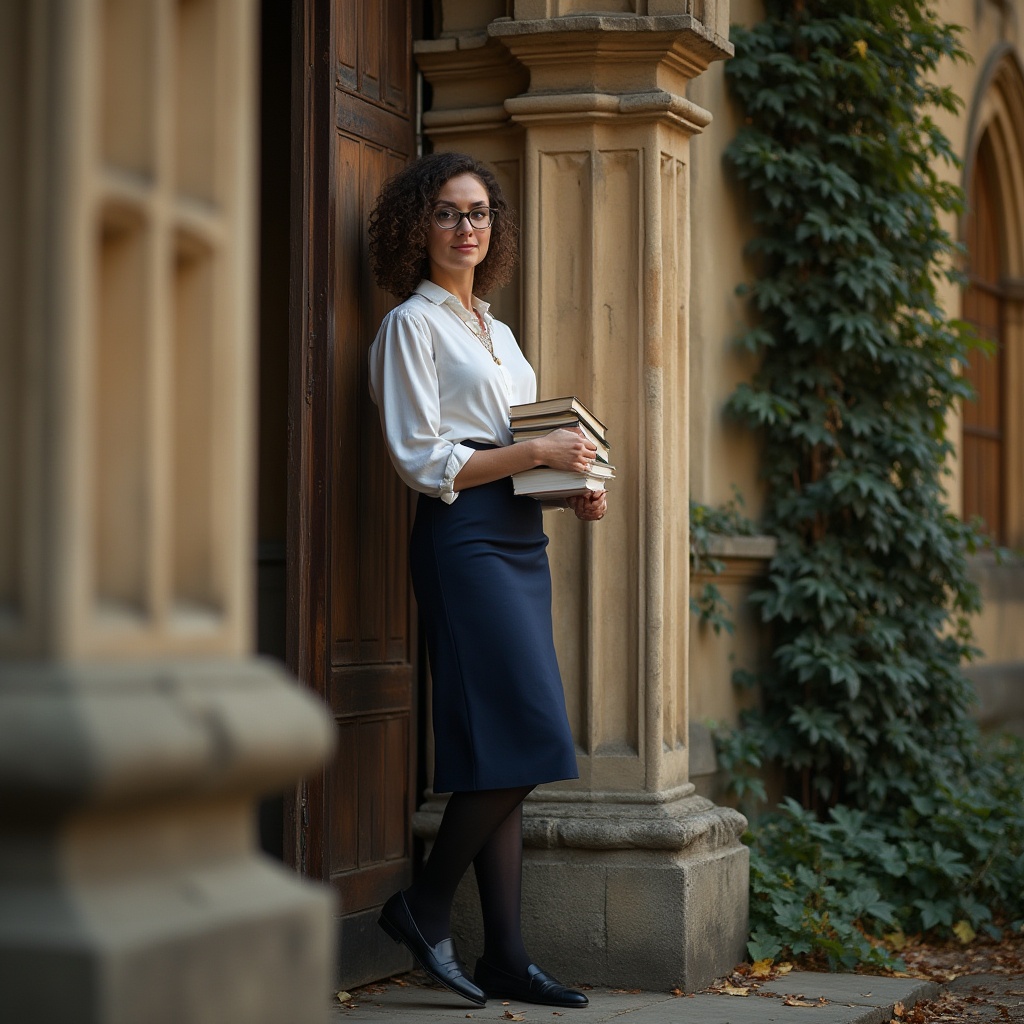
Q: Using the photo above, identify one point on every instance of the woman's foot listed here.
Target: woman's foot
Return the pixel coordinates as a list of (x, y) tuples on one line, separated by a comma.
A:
[(536, 986), (440, 960)]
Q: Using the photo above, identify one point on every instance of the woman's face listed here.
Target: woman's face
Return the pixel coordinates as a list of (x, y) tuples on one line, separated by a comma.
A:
[(462, 248)]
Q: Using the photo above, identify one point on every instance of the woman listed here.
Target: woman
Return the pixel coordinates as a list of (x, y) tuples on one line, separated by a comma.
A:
[(443, 373)]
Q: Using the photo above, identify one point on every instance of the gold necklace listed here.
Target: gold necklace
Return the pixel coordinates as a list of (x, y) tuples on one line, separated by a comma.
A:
[(485, 337)]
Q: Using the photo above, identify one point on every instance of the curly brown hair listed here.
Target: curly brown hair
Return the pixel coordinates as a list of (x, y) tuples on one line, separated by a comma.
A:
[(401, 218)]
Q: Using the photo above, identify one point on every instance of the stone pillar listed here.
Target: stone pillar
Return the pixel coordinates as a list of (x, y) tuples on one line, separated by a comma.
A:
[(630, 878), (136, 731)]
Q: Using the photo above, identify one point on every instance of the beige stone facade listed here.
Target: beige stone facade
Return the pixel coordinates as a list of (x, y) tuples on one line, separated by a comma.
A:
[(992, 89), (723, 458), (136, 727)]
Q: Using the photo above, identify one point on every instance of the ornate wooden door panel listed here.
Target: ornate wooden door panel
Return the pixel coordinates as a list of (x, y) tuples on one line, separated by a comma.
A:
[(359, 618)]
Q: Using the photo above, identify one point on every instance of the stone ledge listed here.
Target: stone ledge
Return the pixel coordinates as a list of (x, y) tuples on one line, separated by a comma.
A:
[(999, 581), (1000, 690), (613, 54), (466, 119), (744, 558), (691, 825), (450, 42), (762, 546), (700, 826), (114, 734), (649, 105), (711, 45)]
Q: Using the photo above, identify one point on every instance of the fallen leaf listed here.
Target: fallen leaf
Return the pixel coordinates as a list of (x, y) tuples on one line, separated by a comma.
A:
[(677, 992), (513, 1016), (964, 932), (734, 990), (784, 968), (898, 1010), (795, 1001), (762, 968), (344, 997)]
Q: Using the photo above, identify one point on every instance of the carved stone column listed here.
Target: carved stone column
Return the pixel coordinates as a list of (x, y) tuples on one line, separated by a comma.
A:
[(630, 878), (136, 731)]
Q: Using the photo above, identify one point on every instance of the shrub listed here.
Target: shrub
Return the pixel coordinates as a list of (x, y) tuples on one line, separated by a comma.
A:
[(831, 890)]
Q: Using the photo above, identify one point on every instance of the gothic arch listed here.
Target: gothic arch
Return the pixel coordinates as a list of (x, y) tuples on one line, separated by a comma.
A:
[(995, 148)]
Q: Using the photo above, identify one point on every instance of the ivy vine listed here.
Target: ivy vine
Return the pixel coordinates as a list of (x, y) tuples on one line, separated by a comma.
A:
[(869, 595), (865, 708)]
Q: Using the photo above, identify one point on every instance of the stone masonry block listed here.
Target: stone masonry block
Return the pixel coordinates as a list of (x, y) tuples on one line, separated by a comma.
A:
[(628, 918)]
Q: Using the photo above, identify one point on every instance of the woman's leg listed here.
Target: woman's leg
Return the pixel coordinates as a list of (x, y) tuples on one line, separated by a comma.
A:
[(470, 820), (499, 876), (504, 971)]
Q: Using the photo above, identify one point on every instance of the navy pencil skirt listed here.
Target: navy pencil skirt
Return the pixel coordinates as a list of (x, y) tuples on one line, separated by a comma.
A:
[(481, 577)]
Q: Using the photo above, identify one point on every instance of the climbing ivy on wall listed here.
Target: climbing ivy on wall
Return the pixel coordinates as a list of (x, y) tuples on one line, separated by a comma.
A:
[(869, 596), (895, 826)]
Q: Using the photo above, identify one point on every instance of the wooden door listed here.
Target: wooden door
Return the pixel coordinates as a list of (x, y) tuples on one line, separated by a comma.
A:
[(353, 637)]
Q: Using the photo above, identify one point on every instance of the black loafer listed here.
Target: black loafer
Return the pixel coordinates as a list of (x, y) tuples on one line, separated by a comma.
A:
[(536, 987), (441, 962)]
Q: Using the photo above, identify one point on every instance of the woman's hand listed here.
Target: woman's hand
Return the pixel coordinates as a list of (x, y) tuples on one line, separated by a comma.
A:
[(590, 506), (561, 449), (566, 450)]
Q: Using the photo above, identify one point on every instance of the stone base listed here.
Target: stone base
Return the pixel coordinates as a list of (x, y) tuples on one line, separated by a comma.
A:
[(131, 889), (243, 941), (650, 896)]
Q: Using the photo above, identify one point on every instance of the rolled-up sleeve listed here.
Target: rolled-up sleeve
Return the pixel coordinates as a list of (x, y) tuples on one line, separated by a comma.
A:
[(403, 383)]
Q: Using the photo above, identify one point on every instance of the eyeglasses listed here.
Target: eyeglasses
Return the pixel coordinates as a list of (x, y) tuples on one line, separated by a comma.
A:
[(448, 218)]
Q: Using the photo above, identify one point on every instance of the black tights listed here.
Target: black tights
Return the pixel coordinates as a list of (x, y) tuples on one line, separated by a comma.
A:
[(484, 828)]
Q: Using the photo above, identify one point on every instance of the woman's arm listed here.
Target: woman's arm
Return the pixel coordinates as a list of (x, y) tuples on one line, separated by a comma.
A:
[(561, 449), (404, 385)]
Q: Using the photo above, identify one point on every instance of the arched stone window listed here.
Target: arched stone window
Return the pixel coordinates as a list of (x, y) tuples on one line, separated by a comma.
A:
[(992, 444), (983, 449)]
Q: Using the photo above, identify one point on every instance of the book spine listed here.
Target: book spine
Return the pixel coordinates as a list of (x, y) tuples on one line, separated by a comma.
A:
[(569, 405)]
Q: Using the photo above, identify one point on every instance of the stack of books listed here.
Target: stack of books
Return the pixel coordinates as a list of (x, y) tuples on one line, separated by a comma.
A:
[(538, 418)]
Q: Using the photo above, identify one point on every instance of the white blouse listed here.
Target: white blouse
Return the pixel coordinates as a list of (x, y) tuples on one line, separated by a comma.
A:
[(436, 386)]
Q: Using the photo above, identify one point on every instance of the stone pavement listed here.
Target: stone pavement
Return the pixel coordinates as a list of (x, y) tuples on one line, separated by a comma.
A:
[(796, 998), (978, 996)]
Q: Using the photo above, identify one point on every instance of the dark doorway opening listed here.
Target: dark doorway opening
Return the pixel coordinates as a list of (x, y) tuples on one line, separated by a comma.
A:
[(272, 460)]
